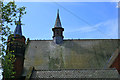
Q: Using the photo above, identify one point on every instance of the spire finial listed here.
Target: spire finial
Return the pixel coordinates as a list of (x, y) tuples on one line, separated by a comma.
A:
[(19, 21), (58, 23), (18, 29), (19, 18), (58, 11)]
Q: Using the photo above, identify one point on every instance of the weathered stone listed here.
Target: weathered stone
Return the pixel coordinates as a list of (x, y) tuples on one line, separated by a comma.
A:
[(72, 54)]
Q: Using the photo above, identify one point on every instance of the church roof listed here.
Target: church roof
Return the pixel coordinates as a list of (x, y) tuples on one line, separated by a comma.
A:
[(58, 22), (76, 73), (18, 29), (71, 54)]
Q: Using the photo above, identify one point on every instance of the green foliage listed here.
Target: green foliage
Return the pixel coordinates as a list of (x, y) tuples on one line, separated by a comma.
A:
[(7, 64), (9, 14)]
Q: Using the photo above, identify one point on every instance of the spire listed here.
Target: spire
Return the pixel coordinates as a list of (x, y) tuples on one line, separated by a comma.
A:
[(58, 31), (18, 29), (58, 23)]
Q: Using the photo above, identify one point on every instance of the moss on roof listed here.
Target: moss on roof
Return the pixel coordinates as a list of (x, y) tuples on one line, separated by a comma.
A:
[(72, 54)]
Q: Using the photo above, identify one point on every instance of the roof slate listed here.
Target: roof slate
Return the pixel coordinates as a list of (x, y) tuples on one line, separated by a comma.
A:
[(80, 54), (85, 73)]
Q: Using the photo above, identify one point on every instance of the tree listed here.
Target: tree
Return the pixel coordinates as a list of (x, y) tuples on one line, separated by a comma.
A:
[(9, 14)]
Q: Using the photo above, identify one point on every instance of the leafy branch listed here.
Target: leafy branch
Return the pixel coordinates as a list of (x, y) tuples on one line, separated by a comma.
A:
[(9, 14)]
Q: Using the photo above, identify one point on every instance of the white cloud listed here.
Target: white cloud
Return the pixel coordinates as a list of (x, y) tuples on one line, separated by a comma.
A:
[(107, 28), (115, 0), (111, 28), (85, 28)]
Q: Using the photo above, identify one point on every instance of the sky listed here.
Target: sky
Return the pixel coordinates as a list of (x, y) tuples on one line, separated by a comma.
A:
[(80, 20), (63, 0)]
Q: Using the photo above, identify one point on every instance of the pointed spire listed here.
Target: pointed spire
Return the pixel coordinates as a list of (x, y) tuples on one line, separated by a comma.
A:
[(19, 19), (58, 23), (18, 29), (58, 11)]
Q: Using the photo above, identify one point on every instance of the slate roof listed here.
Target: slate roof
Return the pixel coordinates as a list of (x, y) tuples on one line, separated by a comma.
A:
[(76, 73), (72, 54), (85, 54)]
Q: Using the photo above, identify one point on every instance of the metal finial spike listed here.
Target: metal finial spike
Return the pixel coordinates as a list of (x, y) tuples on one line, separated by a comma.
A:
[(19, 18), (58, 11), (19, 22)]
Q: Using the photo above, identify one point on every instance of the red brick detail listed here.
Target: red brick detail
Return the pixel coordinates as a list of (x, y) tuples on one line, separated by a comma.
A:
[(18, 66), (116, 63)]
